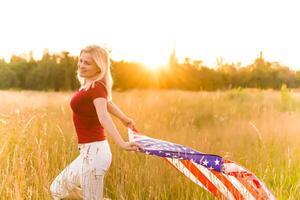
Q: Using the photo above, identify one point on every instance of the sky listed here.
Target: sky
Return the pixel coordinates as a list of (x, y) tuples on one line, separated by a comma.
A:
[(147, 30)]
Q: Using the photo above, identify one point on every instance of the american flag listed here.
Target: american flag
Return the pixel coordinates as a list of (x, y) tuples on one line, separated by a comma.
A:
[(222, 178)]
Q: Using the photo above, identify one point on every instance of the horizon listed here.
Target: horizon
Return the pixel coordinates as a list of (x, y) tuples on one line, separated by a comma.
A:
[(38, 57)]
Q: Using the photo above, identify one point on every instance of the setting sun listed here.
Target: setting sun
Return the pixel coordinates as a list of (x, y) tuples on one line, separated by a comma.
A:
[(153, 66), (154, 63)]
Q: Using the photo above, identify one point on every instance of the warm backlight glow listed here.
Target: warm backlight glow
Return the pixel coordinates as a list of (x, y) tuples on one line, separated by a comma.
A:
[(153, 66), (146, 31)]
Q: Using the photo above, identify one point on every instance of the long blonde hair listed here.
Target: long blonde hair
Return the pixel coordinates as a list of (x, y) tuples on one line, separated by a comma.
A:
[(102, 60)]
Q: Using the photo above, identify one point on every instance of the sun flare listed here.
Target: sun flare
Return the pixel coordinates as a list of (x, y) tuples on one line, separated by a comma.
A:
[(153, 62), (153, 67)]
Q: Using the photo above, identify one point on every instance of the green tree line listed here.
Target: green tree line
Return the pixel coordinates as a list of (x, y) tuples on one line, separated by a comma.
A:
[(57, 72)]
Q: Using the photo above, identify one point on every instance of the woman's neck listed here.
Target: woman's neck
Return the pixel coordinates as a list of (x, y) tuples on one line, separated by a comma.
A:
[(91, 79)]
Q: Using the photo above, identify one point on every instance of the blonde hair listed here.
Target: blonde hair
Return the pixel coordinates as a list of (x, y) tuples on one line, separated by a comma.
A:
[(102, 60)]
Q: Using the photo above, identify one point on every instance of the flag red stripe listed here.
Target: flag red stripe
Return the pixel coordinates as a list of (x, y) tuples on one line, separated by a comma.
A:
[(262, 191), (227, 161), (242, 176), (171, 164), (257, 194), (202, 178), (177, 168), (237, 195)]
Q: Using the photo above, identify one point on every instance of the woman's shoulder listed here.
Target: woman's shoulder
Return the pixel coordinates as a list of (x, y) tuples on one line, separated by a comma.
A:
[(101, 85), (98, 89), (100, 82)]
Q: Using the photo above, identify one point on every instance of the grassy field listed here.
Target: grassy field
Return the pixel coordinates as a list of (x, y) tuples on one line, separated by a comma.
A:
[(258, 129)]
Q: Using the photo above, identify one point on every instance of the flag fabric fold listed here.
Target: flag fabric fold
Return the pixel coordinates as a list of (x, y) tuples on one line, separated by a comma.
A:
[(223, 178)]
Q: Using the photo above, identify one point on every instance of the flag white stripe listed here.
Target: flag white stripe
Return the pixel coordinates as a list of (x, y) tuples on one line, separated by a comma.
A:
[(233, 167), (240, 187), (176, 163), (221, 187), (270, 195)]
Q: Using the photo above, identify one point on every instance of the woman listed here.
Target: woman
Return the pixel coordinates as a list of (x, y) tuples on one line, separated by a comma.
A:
[(90, 105)]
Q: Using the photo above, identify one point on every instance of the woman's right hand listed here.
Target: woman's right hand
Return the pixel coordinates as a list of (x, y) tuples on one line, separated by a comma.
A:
[(131, 146)]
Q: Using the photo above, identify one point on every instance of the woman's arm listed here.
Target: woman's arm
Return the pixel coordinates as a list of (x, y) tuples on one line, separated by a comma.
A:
[(108, 124), (116, 111)]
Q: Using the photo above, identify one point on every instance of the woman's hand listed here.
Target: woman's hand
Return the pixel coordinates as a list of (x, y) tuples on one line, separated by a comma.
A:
[(131, 146), (128, 122)]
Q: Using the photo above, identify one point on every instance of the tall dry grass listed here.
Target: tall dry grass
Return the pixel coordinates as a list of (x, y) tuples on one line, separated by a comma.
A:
[(258, 129)]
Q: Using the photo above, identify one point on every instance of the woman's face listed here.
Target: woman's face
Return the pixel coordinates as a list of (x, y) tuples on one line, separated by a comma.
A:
[(87, 68)]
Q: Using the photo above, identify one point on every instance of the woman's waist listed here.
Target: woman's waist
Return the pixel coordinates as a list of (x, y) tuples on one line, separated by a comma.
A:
[(89, 130), (103, 144)]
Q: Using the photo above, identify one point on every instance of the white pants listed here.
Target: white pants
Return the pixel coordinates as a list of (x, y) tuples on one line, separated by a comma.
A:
[(84, 176)]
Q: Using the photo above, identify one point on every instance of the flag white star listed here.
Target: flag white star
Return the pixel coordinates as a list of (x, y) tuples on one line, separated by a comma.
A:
[(217, 162), (205, 162)]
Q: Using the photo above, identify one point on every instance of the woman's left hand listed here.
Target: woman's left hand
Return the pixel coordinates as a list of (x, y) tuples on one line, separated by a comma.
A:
[(128, 122), (131, 146)]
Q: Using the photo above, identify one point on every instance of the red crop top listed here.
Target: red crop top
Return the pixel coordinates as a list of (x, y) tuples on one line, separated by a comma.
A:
[(85, 119)]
